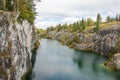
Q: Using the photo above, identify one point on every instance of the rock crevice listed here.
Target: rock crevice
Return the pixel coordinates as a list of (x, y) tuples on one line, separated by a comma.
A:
[(16, 41)]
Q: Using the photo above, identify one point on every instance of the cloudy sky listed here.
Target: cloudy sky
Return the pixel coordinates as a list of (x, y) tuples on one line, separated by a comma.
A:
[(53, 12)]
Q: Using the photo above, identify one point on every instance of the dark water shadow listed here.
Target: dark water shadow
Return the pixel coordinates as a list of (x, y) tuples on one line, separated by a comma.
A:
[(31, 74), (78, 59)]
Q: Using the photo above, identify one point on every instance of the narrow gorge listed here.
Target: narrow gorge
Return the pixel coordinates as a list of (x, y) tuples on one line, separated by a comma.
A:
[(59, 40)]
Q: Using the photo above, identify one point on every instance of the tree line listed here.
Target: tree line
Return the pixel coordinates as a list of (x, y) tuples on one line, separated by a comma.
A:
[(25, 7), (110, 19), (9, 5), (81, 25)]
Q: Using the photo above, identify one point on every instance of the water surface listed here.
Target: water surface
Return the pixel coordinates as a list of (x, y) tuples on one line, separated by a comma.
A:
[(55, 61)]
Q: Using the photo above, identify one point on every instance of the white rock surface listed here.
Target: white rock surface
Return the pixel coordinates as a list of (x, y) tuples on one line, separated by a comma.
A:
[(16, 41)]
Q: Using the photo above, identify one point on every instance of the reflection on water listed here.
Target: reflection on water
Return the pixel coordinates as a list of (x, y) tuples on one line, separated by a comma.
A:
[(31, 75), (57, 62)]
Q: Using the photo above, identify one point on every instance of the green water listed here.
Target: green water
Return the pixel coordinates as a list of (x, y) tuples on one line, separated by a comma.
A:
[(55, 61)]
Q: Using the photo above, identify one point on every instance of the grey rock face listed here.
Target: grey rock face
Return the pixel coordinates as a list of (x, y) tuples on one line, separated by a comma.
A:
[(115, 61), (85, 42), (16, 41), (106, 41)]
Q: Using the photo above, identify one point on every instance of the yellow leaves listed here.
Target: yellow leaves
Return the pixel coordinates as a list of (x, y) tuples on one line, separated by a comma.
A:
[(26, 11)]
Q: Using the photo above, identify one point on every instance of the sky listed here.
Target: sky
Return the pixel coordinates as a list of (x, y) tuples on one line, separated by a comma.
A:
[(53, 12)]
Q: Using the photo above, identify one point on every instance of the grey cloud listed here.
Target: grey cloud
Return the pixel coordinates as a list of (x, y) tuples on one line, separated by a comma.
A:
[(62, 9)]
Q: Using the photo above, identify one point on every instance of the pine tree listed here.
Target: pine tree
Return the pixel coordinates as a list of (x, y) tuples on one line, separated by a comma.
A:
[(1, 4), (4, 4), (9, 6), (117, 17), (108, 19), (83, 25), (98, 21), (59, 27)]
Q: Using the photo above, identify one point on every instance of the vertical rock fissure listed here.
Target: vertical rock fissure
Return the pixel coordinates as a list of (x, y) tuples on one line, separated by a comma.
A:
[(16, 42)]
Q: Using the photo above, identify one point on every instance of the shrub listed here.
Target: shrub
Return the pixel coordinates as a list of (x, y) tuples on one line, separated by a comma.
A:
[(26, 11)]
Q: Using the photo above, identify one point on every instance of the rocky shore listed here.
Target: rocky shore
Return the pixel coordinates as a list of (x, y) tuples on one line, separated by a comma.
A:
[(105, 42)]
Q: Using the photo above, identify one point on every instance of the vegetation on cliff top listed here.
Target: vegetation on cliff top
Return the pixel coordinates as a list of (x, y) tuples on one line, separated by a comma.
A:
[(26, 11), (88, 27), (25, 7), (87, 24)]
